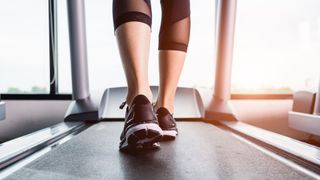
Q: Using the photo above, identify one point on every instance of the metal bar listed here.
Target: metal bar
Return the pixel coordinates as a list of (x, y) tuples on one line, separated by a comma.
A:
[(83, 108), (219, 107), (225, 41), (78, 49), (216, 16)]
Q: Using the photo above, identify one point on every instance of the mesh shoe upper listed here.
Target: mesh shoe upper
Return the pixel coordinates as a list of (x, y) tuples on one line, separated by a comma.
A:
[(166, 120), (140, 111)]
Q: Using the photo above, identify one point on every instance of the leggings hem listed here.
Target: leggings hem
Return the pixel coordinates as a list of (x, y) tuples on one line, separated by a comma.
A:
[(132, 16)]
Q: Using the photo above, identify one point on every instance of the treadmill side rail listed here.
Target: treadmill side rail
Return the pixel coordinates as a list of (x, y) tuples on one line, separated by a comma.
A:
[(297, 151), (15, 150), (309, 123)]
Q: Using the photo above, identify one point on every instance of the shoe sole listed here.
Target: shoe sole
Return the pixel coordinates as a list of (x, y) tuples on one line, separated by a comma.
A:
[(142, 135), (169, 135)]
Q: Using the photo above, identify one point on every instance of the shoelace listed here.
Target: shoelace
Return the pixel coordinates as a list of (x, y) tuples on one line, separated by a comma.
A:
[(154, 105), (123, 104)]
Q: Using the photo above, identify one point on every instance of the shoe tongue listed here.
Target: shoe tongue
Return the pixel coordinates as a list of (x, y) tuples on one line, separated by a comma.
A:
[(140, 99), (162, 111)]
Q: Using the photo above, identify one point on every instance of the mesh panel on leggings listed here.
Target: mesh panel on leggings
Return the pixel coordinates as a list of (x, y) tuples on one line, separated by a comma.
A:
[(175, 25), (131, 10), (175, 22)]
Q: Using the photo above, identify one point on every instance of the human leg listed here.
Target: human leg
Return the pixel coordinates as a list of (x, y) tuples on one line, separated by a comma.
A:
[(132, 22), (173, 44)]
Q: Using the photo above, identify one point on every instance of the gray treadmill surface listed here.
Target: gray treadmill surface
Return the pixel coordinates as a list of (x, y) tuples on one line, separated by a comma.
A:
[(201, 151)]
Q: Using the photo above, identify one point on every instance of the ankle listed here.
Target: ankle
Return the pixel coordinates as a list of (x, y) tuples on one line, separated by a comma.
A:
[(168, 106), (132, 95)]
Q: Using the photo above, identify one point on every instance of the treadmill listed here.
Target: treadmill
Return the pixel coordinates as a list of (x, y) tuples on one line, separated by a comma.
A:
[(212, 143)]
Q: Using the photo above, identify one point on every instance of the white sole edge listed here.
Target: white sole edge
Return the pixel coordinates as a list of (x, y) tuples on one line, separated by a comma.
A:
[(139, 127), (171, 133)]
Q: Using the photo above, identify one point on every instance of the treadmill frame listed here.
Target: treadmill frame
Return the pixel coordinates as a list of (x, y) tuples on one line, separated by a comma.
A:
[(83, 108)]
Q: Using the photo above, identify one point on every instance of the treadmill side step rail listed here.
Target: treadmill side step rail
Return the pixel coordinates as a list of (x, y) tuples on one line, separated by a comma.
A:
[(299, 152), (20, 148)]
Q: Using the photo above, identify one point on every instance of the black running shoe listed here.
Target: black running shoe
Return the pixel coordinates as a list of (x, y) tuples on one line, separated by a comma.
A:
[(167, 123), (141, 128)]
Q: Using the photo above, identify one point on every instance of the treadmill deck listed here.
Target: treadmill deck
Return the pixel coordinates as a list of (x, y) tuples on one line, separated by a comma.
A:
[(201, 151)]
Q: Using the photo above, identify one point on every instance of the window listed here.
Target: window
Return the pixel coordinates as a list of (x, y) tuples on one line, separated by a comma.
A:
[(105, 69), (276, 46), (24, 47)]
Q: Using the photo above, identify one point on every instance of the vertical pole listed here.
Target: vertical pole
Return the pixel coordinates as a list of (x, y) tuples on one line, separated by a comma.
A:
[(225, 41), (317, 105), (53, 44), (219, 107), (216, 19), (78, 49), (83, 108)]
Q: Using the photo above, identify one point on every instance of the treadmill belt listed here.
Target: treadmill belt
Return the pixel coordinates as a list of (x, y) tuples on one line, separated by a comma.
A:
[(201, 151)]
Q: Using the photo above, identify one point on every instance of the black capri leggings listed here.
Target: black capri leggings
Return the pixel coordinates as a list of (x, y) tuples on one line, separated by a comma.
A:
[(175, 22)]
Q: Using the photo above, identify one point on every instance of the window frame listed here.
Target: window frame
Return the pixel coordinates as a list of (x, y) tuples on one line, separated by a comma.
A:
[(53, 69)]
